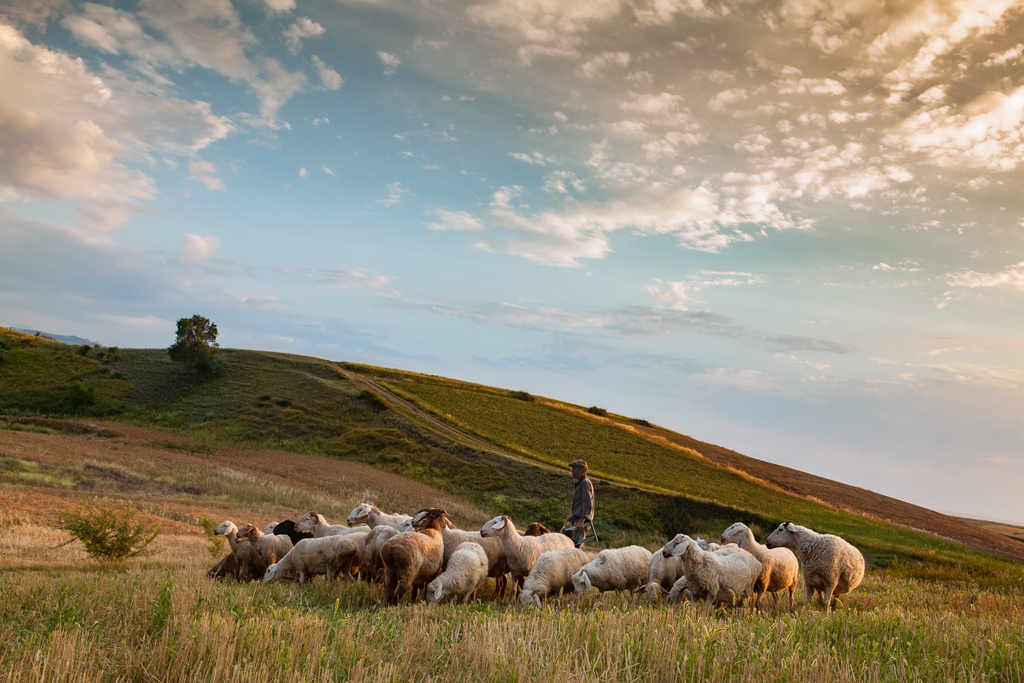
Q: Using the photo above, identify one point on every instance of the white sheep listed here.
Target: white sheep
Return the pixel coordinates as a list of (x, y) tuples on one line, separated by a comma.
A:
[(317, 524), (832, 566), (552, 573), (662, 573), (497, 564), (665, 569), (370, 515), (329, 556), (726, 575), (465, 573), (614, 569), (522, 551), (680, 591), (269, 548), (371, 568), (780, 566)]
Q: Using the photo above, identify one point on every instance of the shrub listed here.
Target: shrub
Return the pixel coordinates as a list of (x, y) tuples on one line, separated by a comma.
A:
[(109, 532), (594, 410), (521, 395), (216, 542), (81, 395)]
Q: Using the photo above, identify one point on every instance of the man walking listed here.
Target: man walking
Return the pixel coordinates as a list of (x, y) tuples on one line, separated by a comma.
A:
[(582, 503)]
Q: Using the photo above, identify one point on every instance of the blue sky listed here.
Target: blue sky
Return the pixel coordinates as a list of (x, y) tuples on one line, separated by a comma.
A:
[(793, 228)]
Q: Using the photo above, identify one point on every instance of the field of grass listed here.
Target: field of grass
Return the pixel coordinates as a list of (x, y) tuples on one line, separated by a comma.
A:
[(64, 617), (276, 435), (162, 620)]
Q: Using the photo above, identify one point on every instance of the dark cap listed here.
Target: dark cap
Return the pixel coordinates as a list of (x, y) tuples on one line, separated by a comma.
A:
[(579, 463)]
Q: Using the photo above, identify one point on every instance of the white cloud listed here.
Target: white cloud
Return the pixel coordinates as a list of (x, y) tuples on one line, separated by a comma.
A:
[(680, 293), (1012, 277), (532, 158), (301, 30), (348, 279), (986, 133), (280, 5), (329, 78), (604, 61), (390, 61), (202, 172), (455, 220), (396, 193), (196, 251), (303, 172), (67, 133), (543, 27)]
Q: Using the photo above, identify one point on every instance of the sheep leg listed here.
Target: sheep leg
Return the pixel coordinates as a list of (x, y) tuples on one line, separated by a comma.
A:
[(826, 597), (500, 586)]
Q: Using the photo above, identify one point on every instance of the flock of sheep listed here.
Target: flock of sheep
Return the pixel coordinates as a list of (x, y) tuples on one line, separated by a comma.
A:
[(427, 553)]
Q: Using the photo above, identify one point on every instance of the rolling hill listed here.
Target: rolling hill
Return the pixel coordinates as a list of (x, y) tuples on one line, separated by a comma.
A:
[(496, 451)]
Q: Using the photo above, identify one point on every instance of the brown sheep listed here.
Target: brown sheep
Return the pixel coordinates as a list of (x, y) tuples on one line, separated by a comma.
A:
[(413, 558)]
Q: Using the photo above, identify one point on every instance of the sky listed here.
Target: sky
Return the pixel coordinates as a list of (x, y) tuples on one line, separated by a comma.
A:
[(794, 228)]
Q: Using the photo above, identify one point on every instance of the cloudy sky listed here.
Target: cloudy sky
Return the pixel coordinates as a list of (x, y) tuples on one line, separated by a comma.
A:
[(794, 228)]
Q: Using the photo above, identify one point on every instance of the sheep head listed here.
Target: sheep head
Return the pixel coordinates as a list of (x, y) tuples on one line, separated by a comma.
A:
[(360, 514), (581, 581), (226, 527), (308, 521), (536, 529), (245, 532), (494, 527), (785, 536), (669, 549), (736, 533), (435, 591), (433, 518), (683, 545)]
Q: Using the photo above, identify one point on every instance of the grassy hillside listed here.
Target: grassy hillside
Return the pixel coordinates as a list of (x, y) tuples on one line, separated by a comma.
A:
[(646, 490), (277, 435)]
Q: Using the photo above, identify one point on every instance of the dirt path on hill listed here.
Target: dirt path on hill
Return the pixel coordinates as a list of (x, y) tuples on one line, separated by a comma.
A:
[(808, 486)]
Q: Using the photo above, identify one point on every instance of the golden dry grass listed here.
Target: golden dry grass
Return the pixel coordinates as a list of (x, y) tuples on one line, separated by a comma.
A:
[(64, 617)]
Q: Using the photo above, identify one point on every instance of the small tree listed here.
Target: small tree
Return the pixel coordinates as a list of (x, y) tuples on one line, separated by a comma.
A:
[(109, 532), (196, 345)]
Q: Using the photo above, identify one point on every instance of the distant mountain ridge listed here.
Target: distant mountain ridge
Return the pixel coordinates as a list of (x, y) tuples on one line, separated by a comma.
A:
[(62, 338)]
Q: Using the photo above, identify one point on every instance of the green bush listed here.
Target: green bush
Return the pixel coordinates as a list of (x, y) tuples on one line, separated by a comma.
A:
[(594, 410), (109, 532), (521, 395), (216, 541)]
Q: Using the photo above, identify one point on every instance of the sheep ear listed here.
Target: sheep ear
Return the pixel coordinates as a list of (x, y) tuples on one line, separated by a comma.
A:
[(536, 599), (586, 581)]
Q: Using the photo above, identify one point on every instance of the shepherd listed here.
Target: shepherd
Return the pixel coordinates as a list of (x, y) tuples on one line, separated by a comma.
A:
[(582, 515)]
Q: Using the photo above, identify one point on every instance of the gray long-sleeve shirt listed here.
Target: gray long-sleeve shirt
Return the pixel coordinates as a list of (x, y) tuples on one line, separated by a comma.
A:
[(583, 501)]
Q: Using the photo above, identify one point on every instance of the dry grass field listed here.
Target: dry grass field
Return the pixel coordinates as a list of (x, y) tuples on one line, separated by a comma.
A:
[(64, 617)]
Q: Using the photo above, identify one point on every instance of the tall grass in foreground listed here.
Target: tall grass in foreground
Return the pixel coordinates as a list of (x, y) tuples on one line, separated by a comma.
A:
[(167, 622)]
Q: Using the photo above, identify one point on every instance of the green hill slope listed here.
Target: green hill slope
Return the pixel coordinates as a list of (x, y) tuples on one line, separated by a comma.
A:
[(500, 450)]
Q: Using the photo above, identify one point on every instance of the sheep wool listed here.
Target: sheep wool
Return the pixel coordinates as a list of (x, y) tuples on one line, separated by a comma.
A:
[(522, 551), (552, 573), (614, 569), (832, 566), (466, 571), (780, 568), (726, 575)]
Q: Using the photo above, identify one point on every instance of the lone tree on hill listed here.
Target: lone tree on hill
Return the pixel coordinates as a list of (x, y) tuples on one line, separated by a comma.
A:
[(196, 345)]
